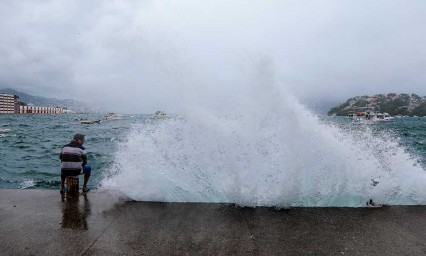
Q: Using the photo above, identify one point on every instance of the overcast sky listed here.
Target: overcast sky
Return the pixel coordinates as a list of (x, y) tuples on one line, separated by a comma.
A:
[(141, 56)]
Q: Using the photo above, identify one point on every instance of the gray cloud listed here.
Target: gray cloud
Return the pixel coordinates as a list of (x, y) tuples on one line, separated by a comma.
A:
[(140, 56)]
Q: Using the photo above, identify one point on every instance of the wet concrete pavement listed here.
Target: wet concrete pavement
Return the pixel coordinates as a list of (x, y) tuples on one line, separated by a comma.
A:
[(41, 222)]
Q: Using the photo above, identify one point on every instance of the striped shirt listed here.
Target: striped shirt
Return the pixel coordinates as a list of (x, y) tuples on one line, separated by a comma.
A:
[(73, 158)]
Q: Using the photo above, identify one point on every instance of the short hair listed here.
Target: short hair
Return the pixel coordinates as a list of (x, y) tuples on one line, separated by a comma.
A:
[(79, 136)]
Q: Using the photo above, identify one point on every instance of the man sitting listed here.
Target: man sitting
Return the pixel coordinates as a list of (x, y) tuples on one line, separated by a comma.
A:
[(74, 161)]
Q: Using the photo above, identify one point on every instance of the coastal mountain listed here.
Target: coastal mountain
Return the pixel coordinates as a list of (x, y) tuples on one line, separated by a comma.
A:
[(392, 103), (70, 104)]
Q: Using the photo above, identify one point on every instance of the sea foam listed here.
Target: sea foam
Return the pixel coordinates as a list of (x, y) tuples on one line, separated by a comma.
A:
[(276, 153)]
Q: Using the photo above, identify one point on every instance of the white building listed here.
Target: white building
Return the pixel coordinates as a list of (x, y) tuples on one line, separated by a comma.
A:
[(40, 110), (9, 105)]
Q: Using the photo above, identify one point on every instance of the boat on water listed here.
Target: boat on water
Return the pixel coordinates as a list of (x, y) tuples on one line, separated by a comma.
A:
[(384, 116), (90, 121), (369, 115), (160, 115), (112, 116)]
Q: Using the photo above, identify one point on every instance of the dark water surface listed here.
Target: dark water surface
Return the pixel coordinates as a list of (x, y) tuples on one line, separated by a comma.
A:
[(30, 144)]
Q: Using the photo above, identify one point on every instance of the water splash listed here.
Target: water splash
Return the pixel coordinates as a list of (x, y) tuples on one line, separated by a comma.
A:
[(277, 154), (27, 183), (267, 150)]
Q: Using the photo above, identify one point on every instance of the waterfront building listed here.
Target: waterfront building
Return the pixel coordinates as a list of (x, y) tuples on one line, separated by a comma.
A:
[(8, 103), (40, 110)]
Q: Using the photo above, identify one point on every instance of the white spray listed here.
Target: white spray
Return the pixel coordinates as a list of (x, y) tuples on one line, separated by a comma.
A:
[(268, 151)]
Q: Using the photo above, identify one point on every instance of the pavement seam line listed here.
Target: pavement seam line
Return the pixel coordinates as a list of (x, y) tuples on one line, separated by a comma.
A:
[(103, 232), (252, 237)]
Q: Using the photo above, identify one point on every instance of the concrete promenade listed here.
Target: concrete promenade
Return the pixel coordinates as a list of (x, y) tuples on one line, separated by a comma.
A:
[(41, 222)]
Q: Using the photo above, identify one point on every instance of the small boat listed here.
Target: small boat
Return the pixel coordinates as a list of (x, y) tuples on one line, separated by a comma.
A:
[(356, 116), (160, 115), (112, 116), (90, 121), (383, 117), (369, 113), (377, 116)]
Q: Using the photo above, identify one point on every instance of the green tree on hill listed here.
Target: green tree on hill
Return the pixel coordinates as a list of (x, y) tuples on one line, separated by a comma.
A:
[(361, 103), (420, 110), (393, 107)]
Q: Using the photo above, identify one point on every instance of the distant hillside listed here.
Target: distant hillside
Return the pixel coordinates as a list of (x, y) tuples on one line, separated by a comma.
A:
[(392, 103), (74, 105), (318, 106)]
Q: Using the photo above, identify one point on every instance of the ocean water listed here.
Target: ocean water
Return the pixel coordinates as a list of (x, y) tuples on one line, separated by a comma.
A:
[(30, 147), (282, 158)]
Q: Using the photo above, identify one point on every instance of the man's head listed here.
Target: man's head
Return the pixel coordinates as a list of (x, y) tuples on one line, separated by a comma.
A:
[(79, 138)]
